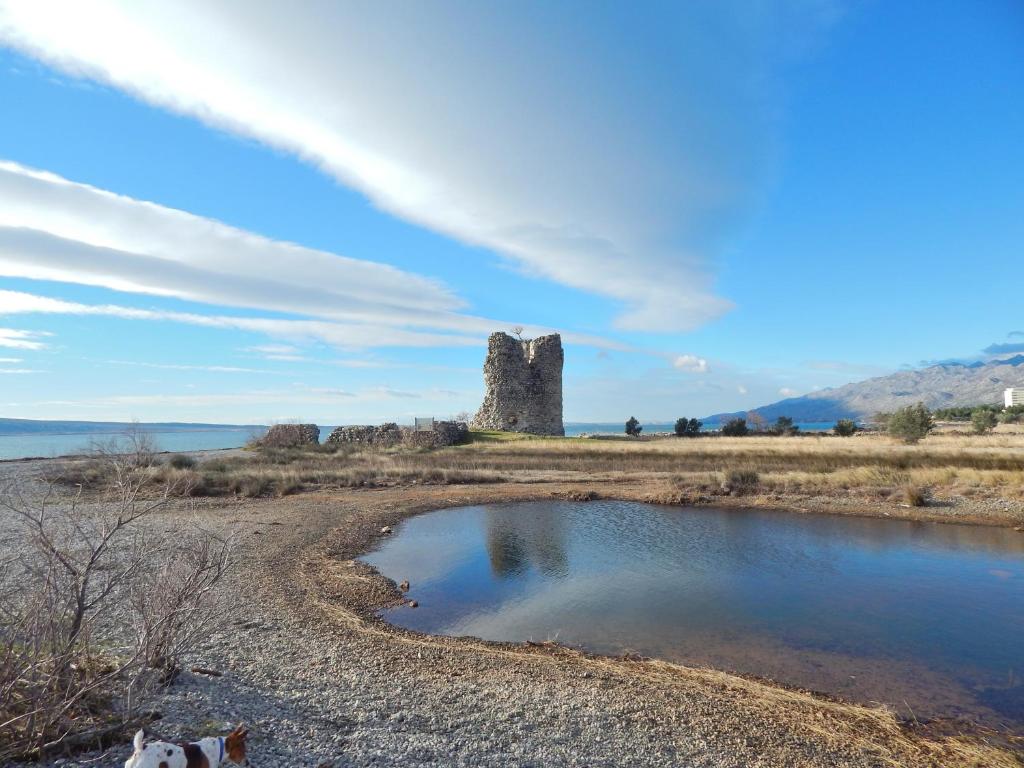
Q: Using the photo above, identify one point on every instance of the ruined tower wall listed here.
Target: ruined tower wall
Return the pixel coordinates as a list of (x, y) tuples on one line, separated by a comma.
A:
[(524, 385)]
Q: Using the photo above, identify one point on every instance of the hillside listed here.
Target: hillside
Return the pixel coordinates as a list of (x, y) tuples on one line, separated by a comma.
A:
[(937, 386)]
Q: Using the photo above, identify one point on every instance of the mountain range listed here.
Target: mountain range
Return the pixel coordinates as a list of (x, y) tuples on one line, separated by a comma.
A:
[(942, 385)]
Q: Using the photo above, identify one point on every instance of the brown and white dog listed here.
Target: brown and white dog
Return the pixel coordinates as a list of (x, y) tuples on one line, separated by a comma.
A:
[(206, 753)]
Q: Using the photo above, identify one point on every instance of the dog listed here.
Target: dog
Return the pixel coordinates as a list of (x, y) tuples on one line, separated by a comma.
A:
[(211, 752)]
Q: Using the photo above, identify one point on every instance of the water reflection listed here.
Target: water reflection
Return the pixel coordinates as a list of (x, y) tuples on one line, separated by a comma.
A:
[(520, 539), (925, 617)]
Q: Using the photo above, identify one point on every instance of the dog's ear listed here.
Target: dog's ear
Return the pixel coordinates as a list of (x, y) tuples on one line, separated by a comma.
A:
[(240, 731)]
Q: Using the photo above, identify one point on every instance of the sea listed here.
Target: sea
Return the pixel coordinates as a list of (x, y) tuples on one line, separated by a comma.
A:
[(50, 445)]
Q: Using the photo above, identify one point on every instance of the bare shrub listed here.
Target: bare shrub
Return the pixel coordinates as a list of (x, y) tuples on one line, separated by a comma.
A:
[(742, 480), (173, 600), (182, 461), (70, 675), (914, 495)]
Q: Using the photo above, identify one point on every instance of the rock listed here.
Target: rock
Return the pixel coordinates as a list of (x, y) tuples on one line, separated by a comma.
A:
[(386, 529), (291, 436), (413, 604), (404, 586), (524, 386)]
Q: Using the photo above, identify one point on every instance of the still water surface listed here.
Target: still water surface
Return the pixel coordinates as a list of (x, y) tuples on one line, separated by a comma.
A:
[(50, 445), (925, 617)]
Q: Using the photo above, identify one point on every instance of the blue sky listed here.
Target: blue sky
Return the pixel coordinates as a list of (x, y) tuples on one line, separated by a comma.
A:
[(232, 213)]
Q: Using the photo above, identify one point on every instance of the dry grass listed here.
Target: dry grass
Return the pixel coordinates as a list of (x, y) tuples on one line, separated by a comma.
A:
[(869, 466)]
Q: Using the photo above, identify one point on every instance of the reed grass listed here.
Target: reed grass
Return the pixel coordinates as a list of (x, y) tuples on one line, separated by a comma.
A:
[(870, 465)]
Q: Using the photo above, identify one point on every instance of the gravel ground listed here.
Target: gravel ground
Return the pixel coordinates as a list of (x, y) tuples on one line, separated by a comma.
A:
[(321, 682)]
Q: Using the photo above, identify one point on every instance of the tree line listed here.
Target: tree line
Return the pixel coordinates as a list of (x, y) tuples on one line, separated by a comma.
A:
[(738, 427), (909, 424)]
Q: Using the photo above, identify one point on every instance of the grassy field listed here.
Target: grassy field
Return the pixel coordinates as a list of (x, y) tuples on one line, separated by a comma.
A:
[(871, 467)]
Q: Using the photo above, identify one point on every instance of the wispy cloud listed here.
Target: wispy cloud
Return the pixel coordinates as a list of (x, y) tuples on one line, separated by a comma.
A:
[(282, 352), (389, 392), (55, 229), (346, 336), (541, 139), (188, 367), (1003, 349), (296, 396), (18, 339), (19, 370), (364, 364), (341, 335), (691, 364), (10, 360), (788, 392), (58, 230)]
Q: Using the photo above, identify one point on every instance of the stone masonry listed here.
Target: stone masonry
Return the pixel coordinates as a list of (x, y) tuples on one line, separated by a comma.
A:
[(291, 436), (386, 435), (524, 386)]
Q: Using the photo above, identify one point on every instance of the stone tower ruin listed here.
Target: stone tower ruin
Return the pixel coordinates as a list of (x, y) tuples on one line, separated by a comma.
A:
[(524, 385)]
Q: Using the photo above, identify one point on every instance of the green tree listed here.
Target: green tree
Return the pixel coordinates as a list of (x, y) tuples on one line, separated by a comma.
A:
[(845, 427), (633, 428), (688, 427), (1012, 415), (784, 426), (983, 420), (911, 423), (735, 428)]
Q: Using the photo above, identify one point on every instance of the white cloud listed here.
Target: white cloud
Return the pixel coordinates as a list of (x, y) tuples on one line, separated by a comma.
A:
[(741, 389), (188, 367), (282, 352), (788, 392), (19, 370), (351, 363), (10, 360), (691, 364), (298, 396), (18, 339), (531, 134), (54, 229), (341, 335)]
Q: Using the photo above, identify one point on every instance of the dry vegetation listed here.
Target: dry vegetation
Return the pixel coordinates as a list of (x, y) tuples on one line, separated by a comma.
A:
[(97, 609), (782, 470), (868, 466)]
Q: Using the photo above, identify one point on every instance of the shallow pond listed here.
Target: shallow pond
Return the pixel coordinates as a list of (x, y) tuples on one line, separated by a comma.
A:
[(925, 617)]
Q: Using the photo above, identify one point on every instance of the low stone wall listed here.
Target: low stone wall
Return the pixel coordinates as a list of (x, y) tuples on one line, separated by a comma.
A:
[(390, 434), (451, 432), (384, 435), (291, 435)]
